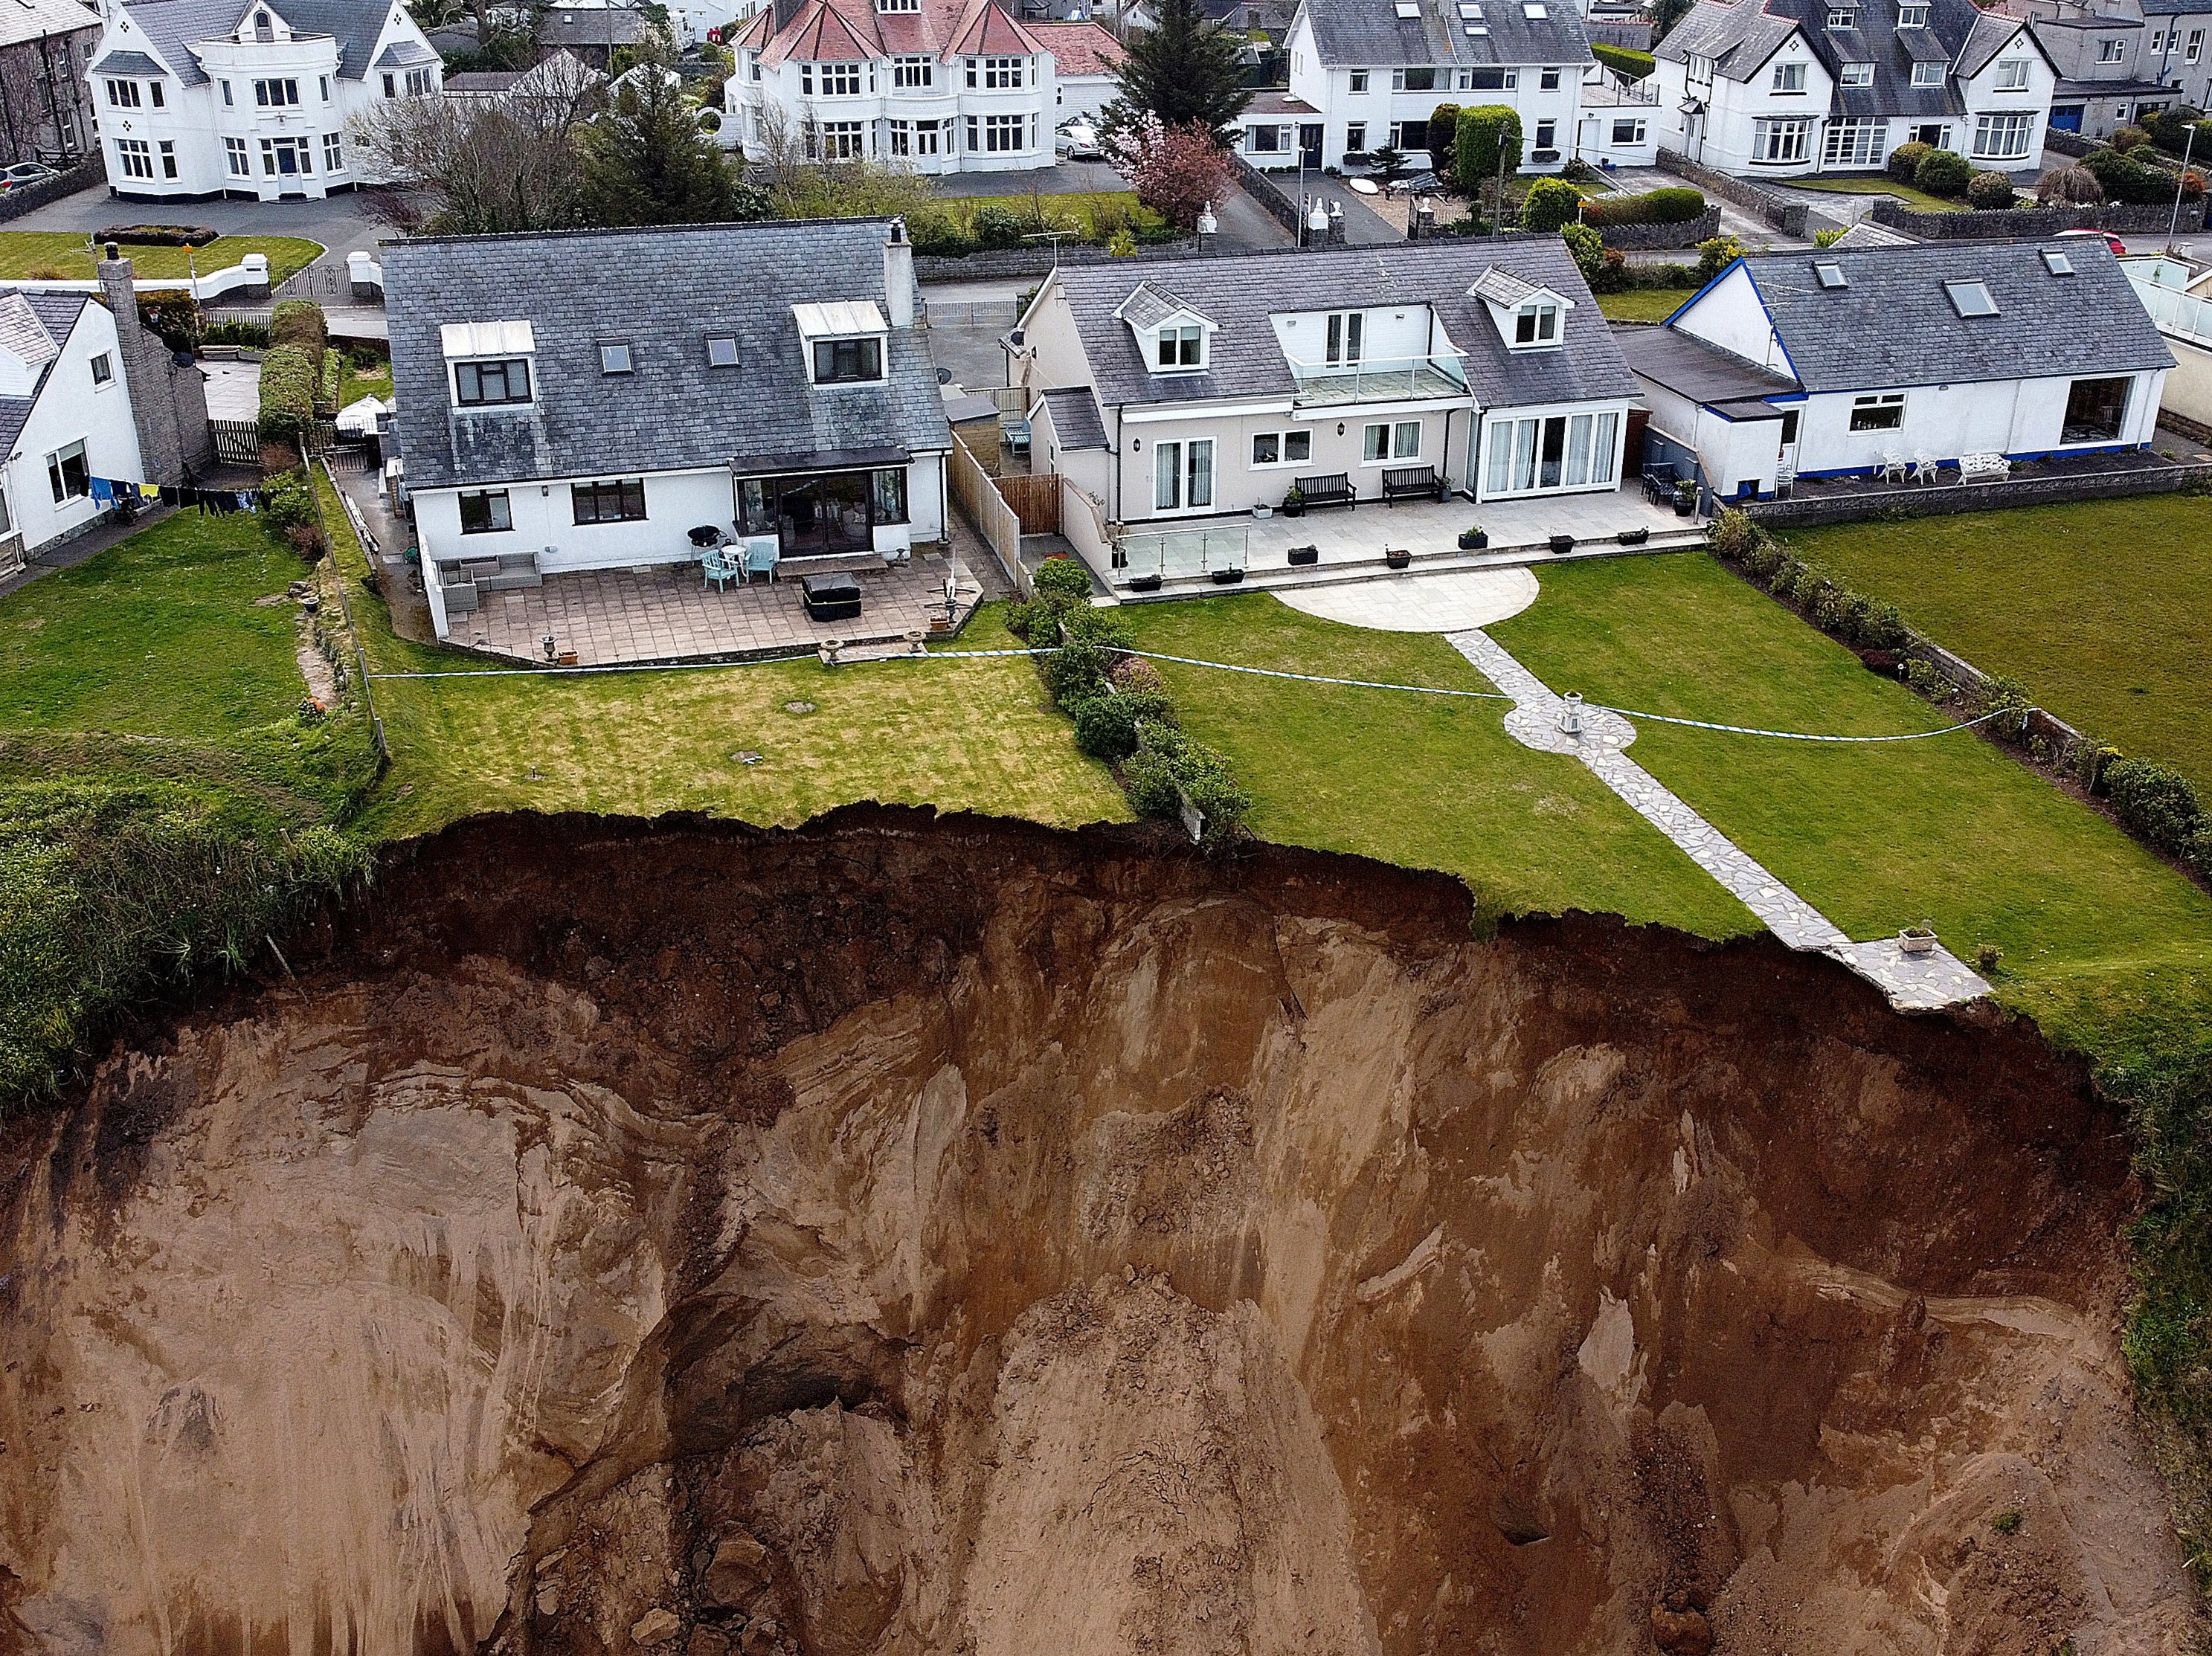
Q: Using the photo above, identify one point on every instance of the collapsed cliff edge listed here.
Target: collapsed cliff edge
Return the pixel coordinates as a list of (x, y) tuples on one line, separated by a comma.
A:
[(915, 1235)]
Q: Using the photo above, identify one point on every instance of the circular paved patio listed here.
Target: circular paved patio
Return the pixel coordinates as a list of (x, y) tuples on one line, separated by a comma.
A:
[(1449, 603)]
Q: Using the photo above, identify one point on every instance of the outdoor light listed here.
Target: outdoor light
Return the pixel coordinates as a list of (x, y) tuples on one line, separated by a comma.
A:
[(1339, 427)]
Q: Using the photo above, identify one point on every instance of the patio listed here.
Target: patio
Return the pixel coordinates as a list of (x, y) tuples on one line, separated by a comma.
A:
[(664, 612), (1351, 544)]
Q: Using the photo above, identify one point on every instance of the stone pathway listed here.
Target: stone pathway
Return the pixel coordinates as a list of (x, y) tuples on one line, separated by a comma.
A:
[(1419, 602), (1912, 983)]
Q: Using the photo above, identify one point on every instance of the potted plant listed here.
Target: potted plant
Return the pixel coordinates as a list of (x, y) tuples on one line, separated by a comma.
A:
[(1263, 511), (1686, 497), (1563, 542), (1305, 555), (1294, 502), (1472, 538), (1398, 557), (1635, 537), (1918, 939)]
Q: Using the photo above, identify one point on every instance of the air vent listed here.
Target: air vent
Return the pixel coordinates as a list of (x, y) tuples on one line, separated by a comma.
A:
[(1831, 274), (1971, 298), (2056, 263)]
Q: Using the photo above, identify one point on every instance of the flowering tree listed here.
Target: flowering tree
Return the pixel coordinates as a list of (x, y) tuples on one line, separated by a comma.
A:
[(1176, 170)]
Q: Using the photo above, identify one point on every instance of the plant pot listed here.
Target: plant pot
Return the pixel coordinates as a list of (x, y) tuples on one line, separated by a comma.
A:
[(1563, 542), (1227, 577), (1305, 555), (1399, 557), (1294, 509), (1145, 584), (1474, 540), (1684, 506), (1263, 512), (1917, 940), (1634, 537)]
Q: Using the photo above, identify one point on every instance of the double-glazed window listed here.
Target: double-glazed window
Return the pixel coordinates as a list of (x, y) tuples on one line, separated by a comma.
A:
[(1536, 324), (1561, 451), (1182, 475), (1789, 77), (615, 358), (168, 158), (848, 361), (1628, 132), (1857, 74), (1391, 440), (1855, 141), (485, 511), (1003, 74), (1282, 448), (839, 141), (1267, 140), (1779, 141), (2012, 75), (1913, 17), (285, 157), (2112, 52), (136, 157), (1884, 411), (1358, 81), (1345, 338), (1494, 80), (1927, 75), (914, 73), (832, 80), (235, 153), (333, 152), (68, 475), (272, 94), (2002, 137), (488, 385), (1181, 346), (123, 94), (420, 83), (888, 489), (997, 135), (622, 501), (1355, 135), (1415, 80), (103, 370)]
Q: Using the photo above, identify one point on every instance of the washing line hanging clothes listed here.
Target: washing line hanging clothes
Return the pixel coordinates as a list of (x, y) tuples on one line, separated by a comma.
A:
[(103, 492)]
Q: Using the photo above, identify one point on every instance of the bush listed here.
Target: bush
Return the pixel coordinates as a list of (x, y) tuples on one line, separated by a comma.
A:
[(1074, 673), (1550, 204), (1613, 271), (1733, 533), (995, 226), (2192, 185), (1443, 137), (1827, 238), (287, 394), (1989, 192), (1941, 173), (1487, 141), (2129, 137), (2068, 187), (1884, 628), (1106, 726), (1674, 205), (288, 504), (1630, 65), (1763, 556), (1165, 761), (1063, 579), (1716, 255), (1904, 162), (2126, 180), (300, 322), (254, 335), (2009, 699), (1134, 675), (174, 316), (1588, 249), (2156, 802), (155, 235)]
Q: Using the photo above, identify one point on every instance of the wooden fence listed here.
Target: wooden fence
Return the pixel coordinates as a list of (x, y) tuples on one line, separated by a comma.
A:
[(237, 442), (1035, 501), (984, 506)]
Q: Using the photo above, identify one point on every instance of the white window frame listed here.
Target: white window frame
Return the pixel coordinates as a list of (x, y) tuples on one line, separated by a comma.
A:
[(2012, 75), (103, 371), (839, 141), (1179, 347), (1004, 74), (57, 476), (1513, 457), (135, 157), (2113, 51), (1926, 74), (1789, 80), (1355, 135), (239, 156), (1357, 81), (1177, 481), (1547, 79), (1913, 16), (1393, 442), (1842, 17), (2017, 126), (1878, 406), (1855, 74), (1398, 83), (1855, 141), (1635, 135), (911, 74), (1780, 140), (2195, 46), (497, 506), (1281, 440), (333, 152), (1543, 319), (1491, 80)]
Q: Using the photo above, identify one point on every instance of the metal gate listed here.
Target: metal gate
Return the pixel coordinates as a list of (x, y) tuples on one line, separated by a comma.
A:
[(324, 283), (1035, 501)]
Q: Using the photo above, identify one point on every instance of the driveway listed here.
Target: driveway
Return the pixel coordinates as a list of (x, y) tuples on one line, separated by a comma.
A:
[(1068, 179), (1746, 227)]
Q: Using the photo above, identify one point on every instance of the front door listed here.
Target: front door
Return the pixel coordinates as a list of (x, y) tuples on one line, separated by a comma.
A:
[(1309, 144)]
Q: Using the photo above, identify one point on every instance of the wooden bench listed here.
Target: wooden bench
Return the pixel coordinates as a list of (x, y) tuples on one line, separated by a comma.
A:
[(1411, 483), (1331, 488)]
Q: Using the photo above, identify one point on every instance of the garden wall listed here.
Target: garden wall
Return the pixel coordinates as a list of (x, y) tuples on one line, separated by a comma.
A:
[(1806, 511), (2029, 222), (1267, 192), (1787, 216), (1641, 238), (1038, 261), (2069, 143), (92, 170)]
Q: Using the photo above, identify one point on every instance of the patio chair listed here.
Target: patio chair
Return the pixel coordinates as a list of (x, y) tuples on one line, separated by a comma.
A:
[(1924, 466), (1894, 466), (720, 564), (761, 557)]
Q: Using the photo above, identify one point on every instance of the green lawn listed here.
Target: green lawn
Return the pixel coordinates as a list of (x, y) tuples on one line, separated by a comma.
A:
[(1644, 303), (2103, 608), (1425, 781), (1077, 210), (25, 253), (2100, 939), (1919, 200)]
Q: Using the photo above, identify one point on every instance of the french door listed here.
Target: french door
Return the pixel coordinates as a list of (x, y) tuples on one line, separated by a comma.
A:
[(1182, 475)]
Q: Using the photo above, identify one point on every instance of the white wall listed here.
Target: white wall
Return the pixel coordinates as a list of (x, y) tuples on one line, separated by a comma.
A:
[(1982, 97), (2188, 389), (1729, 314), (1239, 485), (71, 409), (2021, 418), (1085, 95), (948, 98)]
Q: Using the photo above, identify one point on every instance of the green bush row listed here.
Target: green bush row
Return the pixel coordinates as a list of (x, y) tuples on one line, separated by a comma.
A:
[(1674, 204), (1629, 64), (287, 393), (1852, 617)]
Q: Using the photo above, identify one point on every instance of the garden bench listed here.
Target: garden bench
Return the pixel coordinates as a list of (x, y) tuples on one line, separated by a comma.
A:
[(1983, 468), (1331, 488), (1411, 483)]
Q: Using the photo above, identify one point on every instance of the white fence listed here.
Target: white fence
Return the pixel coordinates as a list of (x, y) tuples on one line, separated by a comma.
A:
[(251, 272)]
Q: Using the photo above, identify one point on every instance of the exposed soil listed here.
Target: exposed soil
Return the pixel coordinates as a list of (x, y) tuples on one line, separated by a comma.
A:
[(916, 1236)]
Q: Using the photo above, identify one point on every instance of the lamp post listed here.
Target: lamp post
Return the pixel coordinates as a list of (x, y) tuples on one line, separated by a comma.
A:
[(2174, 223)]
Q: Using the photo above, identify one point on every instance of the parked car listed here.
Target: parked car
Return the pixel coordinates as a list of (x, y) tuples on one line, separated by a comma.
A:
[(1079, 142), (24, 172), (2110, 240)]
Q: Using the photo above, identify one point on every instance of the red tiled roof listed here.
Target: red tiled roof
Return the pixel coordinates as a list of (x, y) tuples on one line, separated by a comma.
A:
[(756, 31), (841, 30), (1080, 48), (822, 34)]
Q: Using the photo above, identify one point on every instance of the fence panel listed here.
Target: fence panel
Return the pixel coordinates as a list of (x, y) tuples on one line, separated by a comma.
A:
[(237, 442), (995, 521), (1035, 501)]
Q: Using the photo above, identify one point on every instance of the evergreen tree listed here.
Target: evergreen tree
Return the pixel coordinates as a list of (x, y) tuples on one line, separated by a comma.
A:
[(1186, 70), (647, 161)]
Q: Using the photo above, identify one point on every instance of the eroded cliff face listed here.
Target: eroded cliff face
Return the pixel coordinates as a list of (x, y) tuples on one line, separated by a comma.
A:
[(904, 1236)]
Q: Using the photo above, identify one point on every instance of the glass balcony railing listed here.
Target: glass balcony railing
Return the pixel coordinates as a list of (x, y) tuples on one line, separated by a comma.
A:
[(1379, 380), (1181, 554)]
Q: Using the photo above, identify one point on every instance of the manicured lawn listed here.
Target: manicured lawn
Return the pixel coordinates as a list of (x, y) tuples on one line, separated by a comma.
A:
[(1919, 200), (2100, 940), (352, 384), (24, 253), (1426, 781), (1079, 210), (1644, 303), (158, 635), (2103, 608), (963, 736)]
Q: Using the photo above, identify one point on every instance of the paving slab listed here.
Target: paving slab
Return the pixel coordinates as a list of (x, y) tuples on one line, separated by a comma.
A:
[(1445, 603)]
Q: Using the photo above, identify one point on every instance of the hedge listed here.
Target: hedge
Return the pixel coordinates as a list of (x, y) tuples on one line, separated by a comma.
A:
[(1488, 141), (287, 393), (1629, 64), (2126, 180), (300, 322), (1549, 205), (2157, 804), (1941, 173), (1675, 204)]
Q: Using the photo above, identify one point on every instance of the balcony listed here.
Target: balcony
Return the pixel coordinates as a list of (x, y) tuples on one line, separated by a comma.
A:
[(1437, 377)]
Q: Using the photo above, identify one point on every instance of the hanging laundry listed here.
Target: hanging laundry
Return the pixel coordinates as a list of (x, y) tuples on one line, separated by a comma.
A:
[(149, 491), (103, 492)]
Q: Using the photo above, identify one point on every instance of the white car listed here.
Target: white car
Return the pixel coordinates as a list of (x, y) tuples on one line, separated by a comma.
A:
[(1079, 142), (14, 177)]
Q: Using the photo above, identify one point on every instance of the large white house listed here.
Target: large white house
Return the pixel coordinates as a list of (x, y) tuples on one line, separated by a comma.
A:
[(1190, 388), (249, 97), (765, 380), (1368, 73), (1827, 363), (936, 86), (1777, 88)]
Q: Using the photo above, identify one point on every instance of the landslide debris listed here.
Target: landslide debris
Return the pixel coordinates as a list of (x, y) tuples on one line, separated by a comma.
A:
[(905, 1235)]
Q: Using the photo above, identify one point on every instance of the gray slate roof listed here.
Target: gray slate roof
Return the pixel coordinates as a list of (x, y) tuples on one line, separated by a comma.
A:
[(1742, 36), (127, 63), (1246, 360), (173, 26), (57, 314), (664, 291), (591, 26), (1355, 31), (1893, 325), (1075, 418), (400, 54)]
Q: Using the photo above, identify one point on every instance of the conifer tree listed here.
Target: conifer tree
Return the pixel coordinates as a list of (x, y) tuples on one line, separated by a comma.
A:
[(1186, 70), (647, 161)]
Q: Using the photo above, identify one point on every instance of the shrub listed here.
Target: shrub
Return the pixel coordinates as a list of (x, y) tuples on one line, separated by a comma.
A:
[(1763, 556), (1613, 273), (288, 504), (1550, 204), (1674, 205), (1904, 162), (2068, 187), (1074, 673), (1827, 238), (1941, 173), (995, 226), (1106, 726), (1733, 533), (1989, 192), (1931, 681), (2157, 803), (2129, 137), (1986, 957), (2009, 699), (174, 316), (2127, 180), (1488, 141), (300, 322), (252, 334), (1884, 628), (2192, 185), (1134, 675), (1587, 248), (287, 393), (1063, 579), (1629, 64), (1443, 137), (1165, 761), (1716, 255)]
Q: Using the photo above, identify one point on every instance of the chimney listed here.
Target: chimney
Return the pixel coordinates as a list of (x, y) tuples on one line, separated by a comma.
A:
[(898, 275), (144, 365), (784, 11)]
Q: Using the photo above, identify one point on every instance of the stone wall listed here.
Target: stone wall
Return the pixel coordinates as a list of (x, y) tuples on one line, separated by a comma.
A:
[(1787, 216), (1267, 192), (2028, 222), (1641, 238), (1865, 505), (92, 170), (2069, 143)]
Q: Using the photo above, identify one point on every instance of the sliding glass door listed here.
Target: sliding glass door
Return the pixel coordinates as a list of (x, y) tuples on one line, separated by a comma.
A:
[(1547, 453), (1182, 475)]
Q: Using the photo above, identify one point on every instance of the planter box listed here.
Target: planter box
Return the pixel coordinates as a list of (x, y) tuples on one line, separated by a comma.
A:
[(1227, 577), (1305, 555), (1563, 542), (1475, 542), (1398, 558), (1145, 584), (1634, 537)]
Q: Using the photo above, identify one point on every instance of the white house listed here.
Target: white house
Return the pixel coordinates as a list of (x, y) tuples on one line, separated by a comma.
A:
[(936, 86), (1199, 387), (1828, 363), (1370, 72), (1781, 87), (764, 379), (65, 416), (249, 97)]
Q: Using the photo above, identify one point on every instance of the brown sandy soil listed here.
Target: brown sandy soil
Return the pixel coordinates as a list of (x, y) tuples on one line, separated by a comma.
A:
[(901, 1236)]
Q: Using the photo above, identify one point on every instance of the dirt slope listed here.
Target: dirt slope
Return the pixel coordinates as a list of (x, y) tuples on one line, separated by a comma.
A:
[(905, 1236)]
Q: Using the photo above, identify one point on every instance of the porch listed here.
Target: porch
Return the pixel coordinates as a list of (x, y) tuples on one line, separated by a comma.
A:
[(1353, 544), (667, 612)]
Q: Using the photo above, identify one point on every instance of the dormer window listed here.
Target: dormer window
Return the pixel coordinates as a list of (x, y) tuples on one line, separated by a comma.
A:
[(1913, 17), (264, 30), (1857, 74), (848, 361), (844, 341), (1182, 345), (490, 362), (1842, 17), (492, 384), (1927, 75), (1536, 324)]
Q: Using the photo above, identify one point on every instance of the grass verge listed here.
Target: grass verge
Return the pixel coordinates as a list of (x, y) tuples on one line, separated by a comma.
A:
[(25, 252), (1644, 303), (1919, 200)]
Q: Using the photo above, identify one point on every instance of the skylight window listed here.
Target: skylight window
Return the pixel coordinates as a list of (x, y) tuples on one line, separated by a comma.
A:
[(2056, 263), (1409, 9), (1532, 9), (721, 353), (1971, 298), (1478, 28), (614, 359), (1471, 14), (1831, 274)]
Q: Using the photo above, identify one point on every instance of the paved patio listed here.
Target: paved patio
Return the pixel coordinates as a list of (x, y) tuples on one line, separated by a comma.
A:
[(665, 612)]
